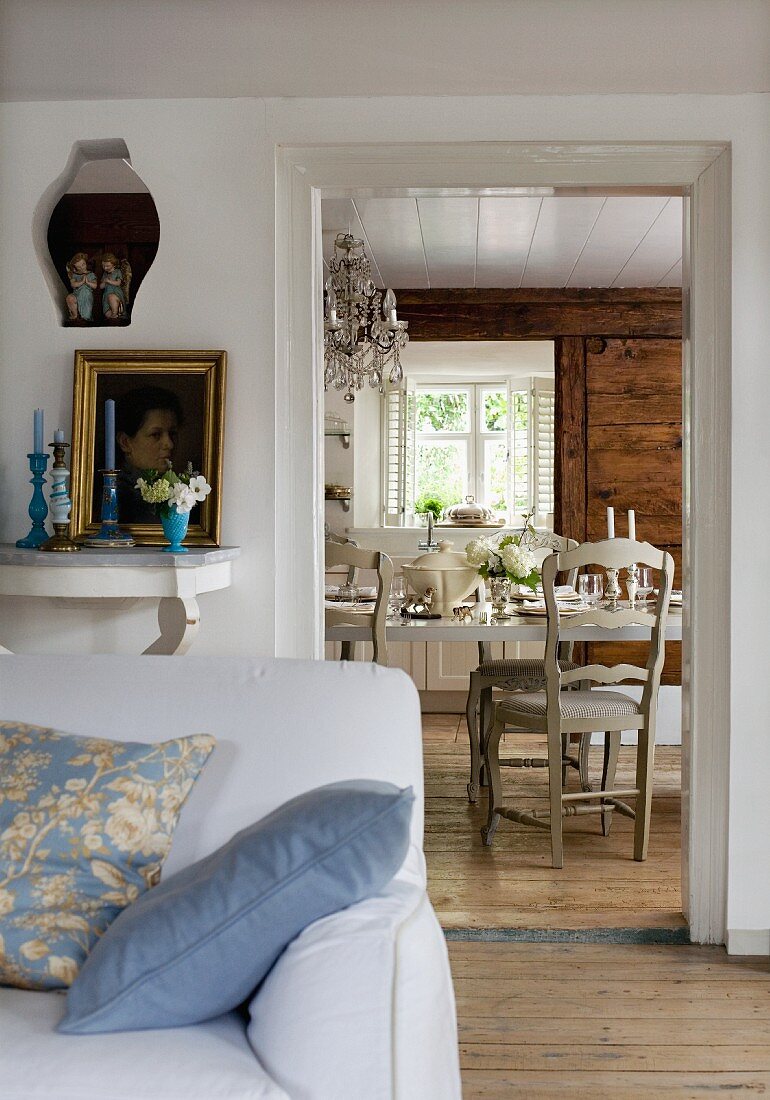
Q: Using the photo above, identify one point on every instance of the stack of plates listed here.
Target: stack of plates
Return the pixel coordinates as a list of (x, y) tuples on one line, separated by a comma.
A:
[(367, 595)]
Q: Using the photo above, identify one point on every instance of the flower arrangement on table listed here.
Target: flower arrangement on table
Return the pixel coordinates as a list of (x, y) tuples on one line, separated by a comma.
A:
[(174, 495), (506, 558)]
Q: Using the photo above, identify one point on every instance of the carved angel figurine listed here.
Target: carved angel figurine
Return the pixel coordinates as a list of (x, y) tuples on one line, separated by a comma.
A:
[(80, 300), (115, 285)]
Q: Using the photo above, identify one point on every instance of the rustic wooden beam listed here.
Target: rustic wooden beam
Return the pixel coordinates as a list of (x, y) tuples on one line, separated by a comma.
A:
[(570, 490), (540, 313)]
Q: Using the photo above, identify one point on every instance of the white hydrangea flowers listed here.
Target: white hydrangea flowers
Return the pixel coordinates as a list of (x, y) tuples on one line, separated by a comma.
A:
[(479, 551), (517, 561), (170, 490), (502, 558)]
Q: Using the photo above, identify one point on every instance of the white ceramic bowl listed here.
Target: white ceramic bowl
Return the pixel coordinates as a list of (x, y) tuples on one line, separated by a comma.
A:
[(447, 573)]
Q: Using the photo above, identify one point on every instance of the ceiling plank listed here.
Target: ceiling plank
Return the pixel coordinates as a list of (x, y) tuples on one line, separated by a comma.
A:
[(562, 230), (658, 252), (615, 236), (506, 227), (449, 228)]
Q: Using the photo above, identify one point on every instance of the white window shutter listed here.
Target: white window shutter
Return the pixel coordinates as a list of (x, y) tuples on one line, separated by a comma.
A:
[(398, 452), (518, 448), (543, 444)]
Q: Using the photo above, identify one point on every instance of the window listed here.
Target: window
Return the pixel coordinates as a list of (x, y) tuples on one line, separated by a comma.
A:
[(493, 441)]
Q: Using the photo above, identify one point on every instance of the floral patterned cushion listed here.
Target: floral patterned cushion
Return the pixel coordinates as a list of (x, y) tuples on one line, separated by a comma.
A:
[(85, 824)]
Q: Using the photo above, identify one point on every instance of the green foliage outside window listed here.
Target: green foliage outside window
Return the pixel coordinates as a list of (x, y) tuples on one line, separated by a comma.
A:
[(441, 473), (443, 412)]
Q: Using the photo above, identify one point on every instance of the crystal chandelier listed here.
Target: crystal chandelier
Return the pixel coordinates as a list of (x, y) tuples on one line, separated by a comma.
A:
[(363, 337)]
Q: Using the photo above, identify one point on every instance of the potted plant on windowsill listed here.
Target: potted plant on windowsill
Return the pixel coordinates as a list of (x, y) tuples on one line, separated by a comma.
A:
[(428, 504)]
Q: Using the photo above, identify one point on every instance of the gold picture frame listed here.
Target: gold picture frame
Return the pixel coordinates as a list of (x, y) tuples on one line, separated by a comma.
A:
[(196, 379)]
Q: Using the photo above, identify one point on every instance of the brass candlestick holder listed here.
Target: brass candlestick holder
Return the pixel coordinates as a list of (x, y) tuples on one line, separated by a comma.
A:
[(60, 503)]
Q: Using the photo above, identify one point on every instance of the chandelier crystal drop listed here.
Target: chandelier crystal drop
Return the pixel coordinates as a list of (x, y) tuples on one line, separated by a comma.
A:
[(363, 337)]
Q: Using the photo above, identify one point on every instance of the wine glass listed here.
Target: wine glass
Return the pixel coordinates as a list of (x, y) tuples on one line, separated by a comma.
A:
[(643, 582), (591, 588), (397, 594)]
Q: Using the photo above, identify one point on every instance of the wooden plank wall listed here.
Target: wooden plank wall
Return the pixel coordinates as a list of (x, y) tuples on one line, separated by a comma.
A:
[(618, 401), (634, 455)]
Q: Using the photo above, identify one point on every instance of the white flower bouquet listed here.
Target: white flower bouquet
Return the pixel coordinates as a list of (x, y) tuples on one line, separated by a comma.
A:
[(171, 491), (505, 557)]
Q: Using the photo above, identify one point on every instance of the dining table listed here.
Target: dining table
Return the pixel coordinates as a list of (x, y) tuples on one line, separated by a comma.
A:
[(481, 628)]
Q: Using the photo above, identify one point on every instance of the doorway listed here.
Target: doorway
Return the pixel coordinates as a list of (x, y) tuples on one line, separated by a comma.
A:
[(702, 171)]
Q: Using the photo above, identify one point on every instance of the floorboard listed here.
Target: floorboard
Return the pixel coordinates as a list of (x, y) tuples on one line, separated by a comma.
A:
[(626, 1021), (512, 884)]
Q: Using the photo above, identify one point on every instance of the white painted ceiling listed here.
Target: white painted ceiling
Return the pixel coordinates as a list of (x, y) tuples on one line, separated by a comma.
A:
[(478, 359), (517, 241), (147, 49)]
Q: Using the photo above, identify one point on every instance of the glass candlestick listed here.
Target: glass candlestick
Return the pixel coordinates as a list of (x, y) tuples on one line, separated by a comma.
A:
[(60, 502), (38, 509), (632, 578), (110, 536), (612, 588)]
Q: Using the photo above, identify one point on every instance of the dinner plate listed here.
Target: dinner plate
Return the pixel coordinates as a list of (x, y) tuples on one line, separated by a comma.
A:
[(541, 612)]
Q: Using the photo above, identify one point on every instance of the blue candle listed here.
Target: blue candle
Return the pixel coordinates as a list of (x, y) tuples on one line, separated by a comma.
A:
[(37, 444), (109, 434)]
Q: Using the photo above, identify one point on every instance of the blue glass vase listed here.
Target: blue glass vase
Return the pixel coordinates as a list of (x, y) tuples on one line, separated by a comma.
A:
[(175, 528)]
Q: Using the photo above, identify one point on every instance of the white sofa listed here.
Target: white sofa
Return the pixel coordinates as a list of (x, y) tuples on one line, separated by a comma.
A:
[(360, 1006)]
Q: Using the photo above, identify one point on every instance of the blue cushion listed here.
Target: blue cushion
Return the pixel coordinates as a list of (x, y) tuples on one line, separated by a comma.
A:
[(198, 944), (85, 824)]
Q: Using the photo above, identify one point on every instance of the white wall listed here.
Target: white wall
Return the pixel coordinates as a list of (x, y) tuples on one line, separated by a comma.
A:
[(211, 175), (209, 165)]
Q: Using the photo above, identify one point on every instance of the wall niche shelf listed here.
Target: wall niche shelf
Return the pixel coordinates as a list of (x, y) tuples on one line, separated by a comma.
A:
[(339, 433)]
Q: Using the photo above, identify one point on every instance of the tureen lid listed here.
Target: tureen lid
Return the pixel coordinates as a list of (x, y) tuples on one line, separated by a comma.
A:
[(469, 511), (444, 558)]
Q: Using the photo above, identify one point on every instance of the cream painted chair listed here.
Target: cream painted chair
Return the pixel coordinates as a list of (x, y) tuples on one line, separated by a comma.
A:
[(557, 712), (514, 674), (356, 558)]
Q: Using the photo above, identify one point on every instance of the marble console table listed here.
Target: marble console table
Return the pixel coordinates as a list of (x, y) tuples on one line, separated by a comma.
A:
[(175, 580)]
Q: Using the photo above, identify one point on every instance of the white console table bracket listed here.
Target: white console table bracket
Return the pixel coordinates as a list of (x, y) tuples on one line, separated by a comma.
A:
[(92, 576)]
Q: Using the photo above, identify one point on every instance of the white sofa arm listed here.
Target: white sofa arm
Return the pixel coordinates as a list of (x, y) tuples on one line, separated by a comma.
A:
[(361, 1004)]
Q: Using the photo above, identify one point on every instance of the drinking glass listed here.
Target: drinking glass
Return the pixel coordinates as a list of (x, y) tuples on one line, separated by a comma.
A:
[(397, 594), (349, 593), (643, 582), (591, 588)]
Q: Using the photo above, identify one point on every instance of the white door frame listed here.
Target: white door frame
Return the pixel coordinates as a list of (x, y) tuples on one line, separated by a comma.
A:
[(703, 173)]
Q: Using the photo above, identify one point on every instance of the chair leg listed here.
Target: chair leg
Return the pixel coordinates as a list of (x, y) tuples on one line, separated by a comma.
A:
[(611, 750), (645, 769), (495, 789), (473, 721), (584, 749), (486, 715), (565, 747), (348, 651), (554, 790)]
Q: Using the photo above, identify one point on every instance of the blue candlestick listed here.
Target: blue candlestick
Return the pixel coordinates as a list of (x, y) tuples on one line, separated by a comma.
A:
[(38, 509), (37, 424), (109, 434), (109, 534)]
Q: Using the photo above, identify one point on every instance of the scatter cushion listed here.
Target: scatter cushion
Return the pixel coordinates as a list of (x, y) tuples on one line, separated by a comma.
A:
[(199, 943), (85, 824)]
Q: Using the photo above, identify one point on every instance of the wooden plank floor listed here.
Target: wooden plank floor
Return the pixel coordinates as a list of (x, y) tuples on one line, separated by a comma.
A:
[(584, 1020), (512, 884), (544, 1020)]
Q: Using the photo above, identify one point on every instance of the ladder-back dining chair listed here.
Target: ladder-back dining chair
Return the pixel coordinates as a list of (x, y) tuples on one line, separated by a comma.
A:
[(556, 711), (514, 674), (356, 558)]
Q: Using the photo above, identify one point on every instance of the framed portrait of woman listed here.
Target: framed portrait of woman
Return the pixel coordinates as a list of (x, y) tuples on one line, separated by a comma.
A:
[(169, 412)]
